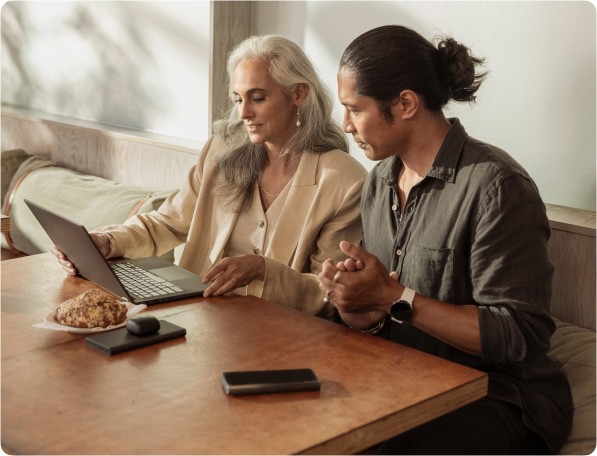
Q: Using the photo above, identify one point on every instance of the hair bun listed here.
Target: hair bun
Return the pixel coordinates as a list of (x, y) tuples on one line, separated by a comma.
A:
[(457, 70)]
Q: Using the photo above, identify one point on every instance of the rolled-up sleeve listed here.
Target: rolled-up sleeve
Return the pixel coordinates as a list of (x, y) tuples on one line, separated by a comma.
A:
[(511, 272)]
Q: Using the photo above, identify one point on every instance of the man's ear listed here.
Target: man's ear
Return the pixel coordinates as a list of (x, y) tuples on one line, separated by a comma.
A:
[(300, 93), (407, 104)]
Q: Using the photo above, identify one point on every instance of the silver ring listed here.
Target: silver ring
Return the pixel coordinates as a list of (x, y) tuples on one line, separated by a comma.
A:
[(326, 299), (337, 276)]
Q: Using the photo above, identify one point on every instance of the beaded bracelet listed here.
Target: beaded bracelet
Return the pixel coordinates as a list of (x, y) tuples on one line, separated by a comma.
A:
[(375, 328)]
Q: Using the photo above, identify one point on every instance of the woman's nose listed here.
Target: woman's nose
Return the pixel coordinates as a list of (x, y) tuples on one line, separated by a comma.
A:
[(245, 112)]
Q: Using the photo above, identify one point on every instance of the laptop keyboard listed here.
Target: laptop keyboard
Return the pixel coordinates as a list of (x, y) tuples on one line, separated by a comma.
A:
[(141, 283)]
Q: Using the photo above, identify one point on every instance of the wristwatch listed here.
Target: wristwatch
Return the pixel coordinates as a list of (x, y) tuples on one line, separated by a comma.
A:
[(402, 310)]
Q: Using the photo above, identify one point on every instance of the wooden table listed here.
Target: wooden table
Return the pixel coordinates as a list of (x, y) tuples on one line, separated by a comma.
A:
[(60, 396)]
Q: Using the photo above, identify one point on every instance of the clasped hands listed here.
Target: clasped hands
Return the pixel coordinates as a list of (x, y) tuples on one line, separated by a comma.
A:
[(359, 287)]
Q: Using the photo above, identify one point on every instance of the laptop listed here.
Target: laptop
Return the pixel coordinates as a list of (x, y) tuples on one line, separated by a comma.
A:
[(140, 281)]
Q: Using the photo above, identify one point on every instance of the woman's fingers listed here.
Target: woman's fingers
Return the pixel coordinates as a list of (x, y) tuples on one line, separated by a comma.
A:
[(66, 265), (221, 285)]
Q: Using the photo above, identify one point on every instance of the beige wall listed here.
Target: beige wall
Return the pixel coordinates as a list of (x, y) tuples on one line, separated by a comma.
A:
[(538, 102)]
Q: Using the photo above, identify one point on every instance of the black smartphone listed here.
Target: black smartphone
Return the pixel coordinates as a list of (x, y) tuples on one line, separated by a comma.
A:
[(270, 381)]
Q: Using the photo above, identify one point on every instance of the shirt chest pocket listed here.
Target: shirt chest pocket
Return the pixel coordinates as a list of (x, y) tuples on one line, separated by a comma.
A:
[(430, 271)]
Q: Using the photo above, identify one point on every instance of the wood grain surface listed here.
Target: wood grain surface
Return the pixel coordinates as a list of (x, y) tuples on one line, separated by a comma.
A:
[(60, 396)]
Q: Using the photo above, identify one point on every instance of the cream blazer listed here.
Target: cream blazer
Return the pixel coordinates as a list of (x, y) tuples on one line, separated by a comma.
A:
[(322, 209)]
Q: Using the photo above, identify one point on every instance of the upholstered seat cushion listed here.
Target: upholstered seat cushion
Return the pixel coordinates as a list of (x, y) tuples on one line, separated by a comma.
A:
[(89, 200), (11, 160), (573, 348)]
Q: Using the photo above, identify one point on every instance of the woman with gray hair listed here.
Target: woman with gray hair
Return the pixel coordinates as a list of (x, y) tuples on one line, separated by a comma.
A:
[(272, 194)]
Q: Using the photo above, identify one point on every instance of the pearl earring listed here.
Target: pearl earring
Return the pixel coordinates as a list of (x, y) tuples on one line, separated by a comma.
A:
[(298, 118)]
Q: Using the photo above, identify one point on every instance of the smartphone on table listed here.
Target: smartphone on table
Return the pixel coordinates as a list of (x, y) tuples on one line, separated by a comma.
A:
[(270, 381)]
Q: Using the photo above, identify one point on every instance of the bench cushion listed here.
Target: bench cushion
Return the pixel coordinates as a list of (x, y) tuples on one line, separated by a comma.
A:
[(11, 160), (89, 200), (573, 348)]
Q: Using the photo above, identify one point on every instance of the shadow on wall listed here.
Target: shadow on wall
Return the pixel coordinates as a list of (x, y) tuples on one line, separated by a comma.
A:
[(16, 81), (338, 23), (96, 61)]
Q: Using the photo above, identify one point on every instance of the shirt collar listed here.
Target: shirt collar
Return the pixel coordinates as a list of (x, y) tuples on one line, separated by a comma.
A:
[(445, 162)]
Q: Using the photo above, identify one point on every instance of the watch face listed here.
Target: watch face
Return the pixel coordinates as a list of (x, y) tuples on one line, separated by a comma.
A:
[(401, 311)]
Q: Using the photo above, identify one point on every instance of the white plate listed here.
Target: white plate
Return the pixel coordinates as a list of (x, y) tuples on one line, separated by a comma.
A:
[(50, 323)]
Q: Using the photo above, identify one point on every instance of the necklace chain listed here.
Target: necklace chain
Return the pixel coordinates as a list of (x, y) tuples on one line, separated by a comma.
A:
[(273, 194)]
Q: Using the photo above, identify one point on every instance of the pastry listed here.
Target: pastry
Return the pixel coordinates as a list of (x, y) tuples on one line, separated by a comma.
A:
[(94, 308)]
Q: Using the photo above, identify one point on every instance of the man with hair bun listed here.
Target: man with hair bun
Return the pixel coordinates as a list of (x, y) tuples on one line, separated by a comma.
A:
[(454, 254)]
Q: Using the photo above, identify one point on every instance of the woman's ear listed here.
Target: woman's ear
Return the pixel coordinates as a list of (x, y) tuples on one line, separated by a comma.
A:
[(300, 93)]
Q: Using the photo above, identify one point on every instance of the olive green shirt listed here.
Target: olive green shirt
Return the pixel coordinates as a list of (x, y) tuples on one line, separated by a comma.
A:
[(475, 231)]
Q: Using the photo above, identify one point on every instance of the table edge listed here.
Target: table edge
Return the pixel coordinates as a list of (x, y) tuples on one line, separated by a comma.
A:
[(378, 431)]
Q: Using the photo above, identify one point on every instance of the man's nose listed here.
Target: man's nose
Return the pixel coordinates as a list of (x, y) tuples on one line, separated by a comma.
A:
[(347, 125)]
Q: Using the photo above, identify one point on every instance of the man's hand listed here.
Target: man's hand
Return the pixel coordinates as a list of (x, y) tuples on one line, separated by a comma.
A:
[(363, 283), (359, 287)]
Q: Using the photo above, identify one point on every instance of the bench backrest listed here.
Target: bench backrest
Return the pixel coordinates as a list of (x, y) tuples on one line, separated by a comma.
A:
[(572, 250)]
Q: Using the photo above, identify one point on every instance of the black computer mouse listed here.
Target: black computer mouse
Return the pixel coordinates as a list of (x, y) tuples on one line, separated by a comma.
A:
[(143, 326)]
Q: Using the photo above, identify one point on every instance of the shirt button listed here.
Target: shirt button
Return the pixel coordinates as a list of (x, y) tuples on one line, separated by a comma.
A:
[(411, 208), (261, 223), (256, 251), (394, 207), (399, 252)]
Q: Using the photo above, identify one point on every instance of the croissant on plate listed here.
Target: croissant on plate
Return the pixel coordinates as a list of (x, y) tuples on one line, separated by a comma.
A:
[(92, 309)]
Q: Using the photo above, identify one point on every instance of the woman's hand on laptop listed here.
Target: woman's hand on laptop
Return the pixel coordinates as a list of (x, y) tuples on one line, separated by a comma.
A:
[(63, 260), (103, 244), (234, 272)]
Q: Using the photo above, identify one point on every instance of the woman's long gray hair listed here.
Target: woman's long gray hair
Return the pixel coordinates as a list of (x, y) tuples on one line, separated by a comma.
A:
[(243, 161)]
